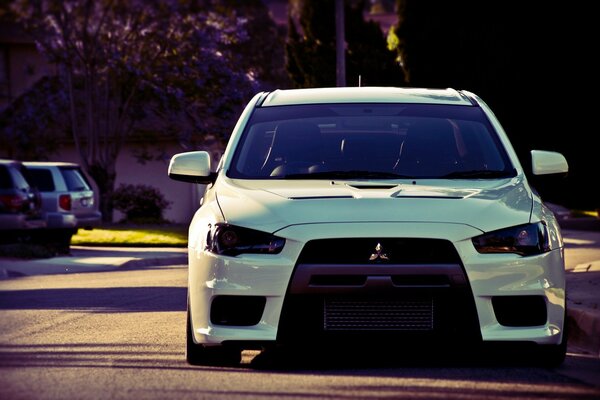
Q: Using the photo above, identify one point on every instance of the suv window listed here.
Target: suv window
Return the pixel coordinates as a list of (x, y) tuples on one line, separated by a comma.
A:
[(19, 179), (42, 179), (74, 180), (5, 181)]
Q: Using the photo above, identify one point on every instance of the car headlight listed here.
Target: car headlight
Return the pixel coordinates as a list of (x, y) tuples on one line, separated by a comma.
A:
[(231, 240), (525, 240)]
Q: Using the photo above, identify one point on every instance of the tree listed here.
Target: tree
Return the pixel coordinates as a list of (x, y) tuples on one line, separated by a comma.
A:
[(126, 62), (263, 54), (521, 61), (32, 126), (310, 49), (460, 44)]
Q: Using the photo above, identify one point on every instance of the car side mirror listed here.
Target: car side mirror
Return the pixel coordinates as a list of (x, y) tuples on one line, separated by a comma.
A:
[(548, 162), (193, 166)]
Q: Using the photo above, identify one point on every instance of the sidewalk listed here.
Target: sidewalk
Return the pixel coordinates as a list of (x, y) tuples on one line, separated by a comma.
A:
[(583, 307), (94, 259), (583, 288)]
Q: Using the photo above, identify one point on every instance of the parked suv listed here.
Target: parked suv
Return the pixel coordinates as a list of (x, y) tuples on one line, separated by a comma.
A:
[(20, 206), (67, 200)]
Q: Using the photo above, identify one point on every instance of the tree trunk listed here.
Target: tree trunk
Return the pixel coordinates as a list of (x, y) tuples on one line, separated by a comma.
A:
[(105, 177)]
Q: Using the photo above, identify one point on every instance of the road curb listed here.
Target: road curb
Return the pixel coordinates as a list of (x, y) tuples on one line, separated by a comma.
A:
[(584, 330), (154, 262), (22, 268)]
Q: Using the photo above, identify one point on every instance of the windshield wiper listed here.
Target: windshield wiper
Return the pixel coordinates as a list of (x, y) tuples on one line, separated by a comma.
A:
[(355, 174), (480, 174)]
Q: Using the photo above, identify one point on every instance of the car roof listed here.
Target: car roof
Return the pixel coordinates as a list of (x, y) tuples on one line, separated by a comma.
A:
[(366, 95), (49, 164), (6, 161)]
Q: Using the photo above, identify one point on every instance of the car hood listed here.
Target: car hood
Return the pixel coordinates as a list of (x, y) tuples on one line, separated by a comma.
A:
[(271, 205)]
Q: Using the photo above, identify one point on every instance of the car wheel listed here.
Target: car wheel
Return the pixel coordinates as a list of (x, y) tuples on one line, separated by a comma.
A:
[(552, 356), (63, 241), (56, 240), (197, 354)]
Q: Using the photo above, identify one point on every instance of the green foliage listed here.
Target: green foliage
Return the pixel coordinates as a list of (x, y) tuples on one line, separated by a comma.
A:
[(128, 67), (140, 203), (310, 50), (459, 44), (521, 60), (263, 55), (311, 57), (33, 125)]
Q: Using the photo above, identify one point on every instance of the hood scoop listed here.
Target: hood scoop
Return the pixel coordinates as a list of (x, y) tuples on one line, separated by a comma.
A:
[(429, 192), (370, 190), (361, 186), (320, 197), (311, 193)]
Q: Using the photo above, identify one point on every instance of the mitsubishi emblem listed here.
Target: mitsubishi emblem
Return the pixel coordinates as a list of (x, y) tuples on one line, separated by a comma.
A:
[(379, 254)]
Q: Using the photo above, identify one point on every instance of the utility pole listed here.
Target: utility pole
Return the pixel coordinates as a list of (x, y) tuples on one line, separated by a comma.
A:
[(340, 43)]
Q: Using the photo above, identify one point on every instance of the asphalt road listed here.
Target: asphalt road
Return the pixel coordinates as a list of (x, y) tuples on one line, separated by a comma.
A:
[(120, 335), (581, 247)]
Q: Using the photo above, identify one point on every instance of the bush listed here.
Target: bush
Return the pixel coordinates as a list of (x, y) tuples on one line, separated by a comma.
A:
[(140, 203)]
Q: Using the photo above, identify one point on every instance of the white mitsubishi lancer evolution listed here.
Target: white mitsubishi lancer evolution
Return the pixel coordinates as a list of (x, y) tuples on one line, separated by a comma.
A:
[(371, 215)]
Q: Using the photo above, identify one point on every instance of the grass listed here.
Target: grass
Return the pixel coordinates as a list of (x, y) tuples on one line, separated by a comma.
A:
[(583, 213), (133, 235)]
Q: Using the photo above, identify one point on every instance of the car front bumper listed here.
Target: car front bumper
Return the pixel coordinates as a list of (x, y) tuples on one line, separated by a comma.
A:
[(489, 277)]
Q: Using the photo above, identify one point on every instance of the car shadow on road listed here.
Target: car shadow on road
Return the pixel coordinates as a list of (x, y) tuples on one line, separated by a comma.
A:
[(373, 356), (100, 300), (386, 378)]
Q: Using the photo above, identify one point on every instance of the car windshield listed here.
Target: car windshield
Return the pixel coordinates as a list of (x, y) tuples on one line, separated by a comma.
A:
[(370, 141)]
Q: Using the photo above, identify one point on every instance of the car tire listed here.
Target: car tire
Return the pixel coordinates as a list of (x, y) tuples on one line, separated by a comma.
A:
[(57, 240), (63, 241), (197, 354), (552, 356)]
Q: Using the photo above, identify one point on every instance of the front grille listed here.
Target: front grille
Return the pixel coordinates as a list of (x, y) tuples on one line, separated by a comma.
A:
[(384, 290), (395, 250), (378, 315)]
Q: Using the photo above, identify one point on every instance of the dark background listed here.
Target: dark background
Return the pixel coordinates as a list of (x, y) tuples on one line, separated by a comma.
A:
[(531, 61)]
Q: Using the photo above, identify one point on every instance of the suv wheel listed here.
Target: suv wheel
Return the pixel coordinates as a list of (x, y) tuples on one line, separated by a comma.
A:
[(59, 240)]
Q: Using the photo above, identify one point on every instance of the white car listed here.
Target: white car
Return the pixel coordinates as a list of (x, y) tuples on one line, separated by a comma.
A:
[(371, 215)]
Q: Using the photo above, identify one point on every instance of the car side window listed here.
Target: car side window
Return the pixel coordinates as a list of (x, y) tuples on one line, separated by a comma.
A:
[(19, 180), (42, 179), (5, 180)]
